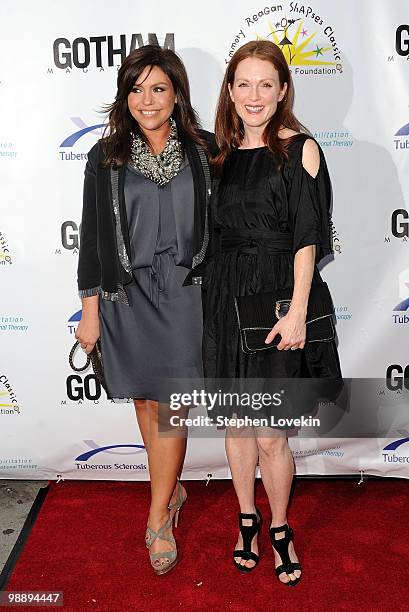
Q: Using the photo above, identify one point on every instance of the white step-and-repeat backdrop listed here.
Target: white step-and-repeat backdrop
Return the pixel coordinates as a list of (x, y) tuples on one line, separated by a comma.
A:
[(350, 64)]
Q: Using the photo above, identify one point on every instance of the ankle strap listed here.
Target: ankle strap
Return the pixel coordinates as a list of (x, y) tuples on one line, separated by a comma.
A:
[(242, 515), (285, 527)]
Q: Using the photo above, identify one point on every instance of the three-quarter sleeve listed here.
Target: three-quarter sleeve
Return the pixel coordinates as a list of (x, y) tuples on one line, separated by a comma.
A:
[(309, 207), (89, 268)]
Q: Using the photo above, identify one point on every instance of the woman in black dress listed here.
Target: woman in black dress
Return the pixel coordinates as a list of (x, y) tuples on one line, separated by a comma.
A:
[(144, 226), (270, 226)]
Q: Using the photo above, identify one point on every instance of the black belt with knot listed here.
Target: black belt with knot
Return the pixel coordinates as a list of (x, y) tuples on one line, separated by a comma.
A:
[(262, 243), (252, 241)]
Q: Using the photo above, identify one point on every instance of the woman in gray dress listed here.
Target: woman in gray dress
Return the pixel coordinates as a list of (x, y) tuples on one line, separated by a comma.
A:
[(144, 227)]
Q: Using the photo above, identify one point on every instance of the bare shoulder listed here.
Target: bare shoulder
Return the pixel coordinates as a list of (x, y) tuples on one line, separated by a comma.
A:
[(311, 157)]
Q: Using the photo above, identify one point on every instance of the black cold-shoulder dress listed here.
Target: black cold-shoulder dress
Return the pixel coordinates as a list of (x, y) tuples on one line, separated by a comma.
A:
[(261, 216)]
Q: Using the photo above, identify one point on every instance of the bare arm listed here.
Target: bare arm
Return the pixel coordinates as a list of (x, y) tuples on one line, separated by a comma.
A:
[(292, 328), (88, 329)]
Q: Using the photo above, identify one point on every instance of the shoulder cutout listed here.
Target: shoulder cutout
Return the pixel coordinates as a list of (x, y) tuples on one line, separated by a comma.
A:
[(311, 157)]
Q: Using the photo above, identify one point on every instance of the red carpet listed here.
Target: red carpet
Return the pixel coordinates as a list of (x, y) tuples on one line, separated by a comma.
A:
[(88, 541)]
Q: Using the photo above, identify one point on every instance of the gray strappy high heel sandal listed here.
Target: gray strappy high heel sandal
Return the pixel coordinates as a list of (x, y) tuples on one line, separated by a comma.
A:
[(171, 556), (181, 497)]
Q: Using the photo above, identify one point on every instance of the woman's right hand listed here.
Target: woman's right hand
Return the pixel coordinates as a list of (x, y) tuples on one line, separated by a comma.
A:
[(88, 332)]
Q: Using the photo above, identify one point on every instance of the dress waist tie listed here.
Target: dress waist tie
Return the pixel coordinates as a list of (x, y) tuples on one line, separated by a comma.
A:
[(260, 242)]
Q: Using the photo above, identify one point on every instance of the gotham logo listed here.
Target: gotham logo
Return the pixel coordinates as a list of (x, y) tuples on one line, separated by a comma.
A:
[(399, 226), (402, 40), (70, 235), (70, 238), (83, 388), (401, 44), (100, 51), (400, 223), (397, 377)]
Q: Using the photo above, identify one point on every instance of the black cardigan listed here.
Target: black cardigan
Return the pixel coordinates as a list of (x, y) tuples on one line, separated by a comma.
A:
[(103, 263)]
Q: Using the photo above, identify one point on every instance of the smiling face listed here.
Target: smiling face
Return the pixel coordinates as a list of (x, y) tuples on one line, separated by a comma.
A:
[(152, 99), (256, 91)]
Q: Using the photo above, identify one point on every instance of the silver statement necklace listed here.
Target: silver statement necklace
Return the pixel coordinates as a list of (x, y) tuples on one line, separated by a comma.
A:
[(158, 168)]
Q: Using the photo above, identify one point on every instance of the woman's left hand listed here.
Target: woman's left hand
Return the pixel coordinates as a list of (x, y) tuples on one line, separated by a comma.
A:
[(292, 330)]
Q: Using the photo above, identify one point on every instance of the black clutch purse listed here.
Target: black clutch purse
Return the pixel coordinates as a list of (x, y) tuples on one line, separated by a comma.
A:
[(257, 314), (95, 357)]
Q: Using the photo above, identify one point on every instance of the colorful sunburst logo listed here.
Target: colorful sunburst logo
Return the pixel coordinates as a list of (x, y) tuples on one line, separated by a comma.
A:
[(297, 47), (309, 43)]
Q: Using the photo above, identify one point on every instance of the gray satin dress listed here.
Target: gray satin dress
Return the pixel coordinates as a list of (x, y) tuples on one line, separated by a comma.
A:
[(159, 335)]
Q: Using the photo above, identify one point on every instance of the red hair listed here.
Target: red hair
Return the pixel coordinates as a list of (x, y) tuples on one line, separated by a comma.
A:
[(229, 129)]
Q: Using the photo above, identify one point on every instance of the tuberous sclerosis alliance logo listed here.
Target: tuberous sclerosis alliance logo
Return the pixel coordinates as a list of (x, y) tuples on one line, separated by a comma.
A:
[(137, 449), (70, 141), (403, 306), (308, 43), (401, 140), (390, 456), (73, 322), (8, 399)]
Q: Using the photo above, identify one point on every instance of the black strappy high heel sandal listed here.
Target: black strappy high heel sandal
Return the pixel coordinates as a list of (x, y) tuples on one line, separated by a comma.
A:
[(281, 546), (247, 533)]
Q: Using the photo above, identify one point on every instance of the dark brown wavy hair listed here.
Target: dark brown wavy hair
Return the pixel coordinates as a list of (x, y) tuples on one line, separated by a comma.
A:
[(229, 127), (117, 142)]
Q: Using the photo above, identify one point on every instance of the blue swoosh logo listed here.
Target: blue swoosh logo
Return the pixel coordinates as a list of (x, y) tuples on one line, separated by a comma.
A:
[(75, 317), (404, 131), (72, 139), (394, 445), (91, 453)]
